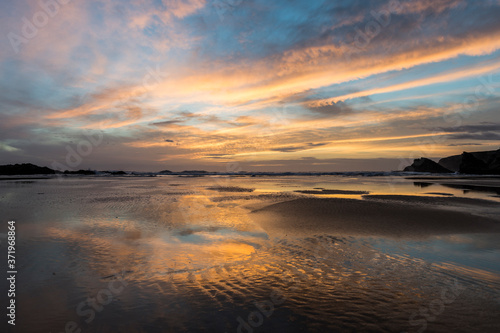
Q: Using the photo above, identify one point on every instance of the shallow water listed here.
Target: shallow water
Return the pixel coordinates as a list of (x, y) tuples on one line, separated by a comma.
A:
[(169, 254)]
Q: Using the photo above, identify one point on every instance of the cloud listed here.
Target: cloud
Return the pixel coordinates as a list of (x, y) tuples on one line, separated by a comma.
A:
[(183, 8), (271, 79), (429, 6), (167, 123), (324, 164), (489, 136), (484, 132), (483, 127), (463, 144), (476, 71), (298, 148), (7, 148), (331, 110)]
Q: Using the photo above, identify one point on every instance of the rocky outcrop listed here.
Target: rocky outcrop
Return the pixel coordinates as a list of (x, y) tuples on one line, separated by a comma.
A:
[(31, 169), (25, 169), (472, 165), (480, 163), (494, 163), (117, 173), (80, 172), (451, 162), (426, 165)]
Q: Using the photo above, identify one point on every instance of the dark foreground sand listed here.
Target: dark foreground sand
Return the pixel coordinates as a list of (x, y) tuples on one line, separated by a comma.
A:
[(312, 216)]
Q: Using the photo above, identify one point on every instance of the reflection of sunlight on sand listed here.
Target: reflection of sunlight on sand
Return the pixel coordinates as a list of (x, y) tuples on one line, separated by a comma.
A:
[(230, 251), (201, 210), (191, 253), (159, 256), (153, 252)]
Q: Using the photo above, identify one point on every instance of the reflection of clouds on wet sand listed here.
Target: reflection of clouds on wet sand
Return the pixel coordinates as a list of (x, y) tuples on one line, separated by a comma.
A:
[(198, 259)]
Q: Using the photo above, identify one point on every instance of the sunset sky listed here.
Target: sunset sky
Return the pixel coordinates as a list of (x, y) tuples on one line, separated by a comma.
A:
[(278, 85)]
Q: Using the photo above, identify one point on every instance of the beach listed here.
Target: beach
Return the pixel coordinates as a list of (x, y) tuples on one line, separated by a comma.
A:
[(255, 254), (390, 216), (250, 166)]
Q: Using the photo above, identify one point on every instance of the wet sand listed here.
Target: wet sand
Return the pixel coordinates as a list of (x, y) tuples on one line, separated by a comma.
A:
[(401, 218), (440, 200), (192, 259), (489, 184)]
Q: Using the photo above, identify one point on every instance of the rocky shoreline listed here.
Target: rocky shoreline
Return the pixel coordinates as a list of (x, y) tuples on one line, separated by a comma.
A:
[(477, 163)]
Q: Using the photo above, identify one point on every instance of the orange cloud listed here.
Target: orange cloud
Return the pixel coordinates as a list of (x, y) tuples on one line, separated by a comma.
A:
[(446, 77)]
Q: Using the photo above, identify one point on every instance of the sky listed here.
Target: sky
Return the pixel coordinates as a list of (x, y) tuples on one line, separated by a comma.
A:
[(253, 85)]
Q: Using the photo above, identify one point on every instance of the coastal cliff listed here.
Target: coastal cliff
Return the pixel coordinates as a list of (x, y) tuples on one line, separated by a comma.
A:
[(479, 163)]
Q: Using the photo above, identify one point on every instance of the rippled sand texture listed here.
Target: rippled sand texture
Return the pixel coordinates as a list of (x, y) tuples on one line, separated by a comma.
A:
[(174, 254)]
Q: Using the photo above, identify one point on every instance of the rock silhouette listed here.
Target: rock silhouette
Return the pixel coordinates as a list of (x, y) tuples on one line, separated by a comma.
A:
[(478, 163), (481, 163), (25, 169), (426, 165)]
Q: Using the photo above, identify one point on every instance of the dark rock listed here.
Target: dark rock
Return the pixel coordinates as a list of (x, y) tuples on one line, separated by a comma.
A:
[(80, 172), (451, 162), (165, 172), (472, 165), (25, 169), (494, 164), (196, 172), (481, 163), (426, 165), (118, 173)]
